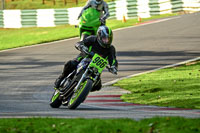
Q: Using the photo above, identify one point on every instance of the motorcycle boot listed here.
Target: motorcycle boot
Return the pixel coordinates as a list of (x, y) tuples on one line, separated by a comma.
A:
[(58, 81), (97, 86)]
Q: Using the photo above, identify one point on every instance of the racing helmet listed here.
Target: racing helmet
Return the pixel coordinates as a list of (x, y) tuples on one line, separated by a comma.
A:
[(104, 36), (98, 2)]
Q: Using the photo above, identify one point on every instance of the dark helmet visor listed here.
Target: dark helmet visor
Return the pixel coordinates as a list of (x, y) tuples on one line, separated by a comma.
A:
[(105, 40)]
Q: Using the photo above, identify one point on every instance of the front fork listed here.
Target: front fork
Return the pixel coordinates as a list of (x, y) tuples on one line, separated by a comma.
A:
[(84, 76), (81, 80)]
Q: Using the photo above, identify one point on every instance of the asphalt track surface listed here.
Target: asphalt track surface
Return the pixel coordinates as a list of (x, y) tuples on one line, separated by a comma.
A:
[(27, 74)]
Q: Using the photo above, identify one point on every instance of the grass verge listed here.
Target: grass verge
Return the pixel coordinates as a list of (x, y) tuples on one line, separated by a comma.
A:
[(12, 38), (44, 4), (52, 125), (175, 87)]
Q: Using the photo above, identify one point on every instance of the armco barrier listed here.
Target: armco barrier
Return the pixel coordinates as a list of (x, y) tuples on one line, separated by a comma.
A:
[(112, 10), (61, 16), (29, 18), (119, 10), (1, 19), (154, 7), (177, 5)]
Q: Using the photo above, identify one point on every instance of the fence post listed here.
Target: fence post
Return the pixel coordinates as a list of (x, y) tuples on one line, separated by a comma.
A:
[(2, 4), (65, 2)]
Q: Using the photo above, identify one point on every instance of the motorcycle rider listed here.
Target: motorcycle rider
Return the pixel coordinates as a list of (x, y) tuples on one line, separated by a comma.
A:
[(99, 5), (101, 44)]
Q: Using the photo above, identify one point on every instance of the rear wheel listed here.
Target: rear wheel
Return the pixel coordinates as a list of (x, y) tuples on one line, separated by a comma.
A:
[(81, 94), (55, 101)]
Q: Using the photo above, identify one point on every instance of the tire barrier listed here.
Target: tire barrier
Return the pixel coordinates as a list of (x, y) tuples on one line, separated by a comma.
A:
[(119, 10)]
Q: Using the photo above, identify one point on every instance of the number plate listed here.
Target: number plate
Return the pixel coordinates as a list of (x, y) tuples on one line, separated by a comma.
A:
[(98, 62)]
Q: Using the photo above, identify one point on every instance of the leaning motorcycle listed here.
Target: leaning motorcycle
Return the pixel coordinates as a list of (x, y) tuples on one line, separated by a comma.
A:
[(77, 85), (89, 23)]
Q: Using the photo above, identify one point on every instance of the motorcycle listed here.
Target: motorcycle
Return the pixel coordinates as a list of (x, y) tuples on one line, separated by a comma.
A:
[(77, 85), (89, 23)]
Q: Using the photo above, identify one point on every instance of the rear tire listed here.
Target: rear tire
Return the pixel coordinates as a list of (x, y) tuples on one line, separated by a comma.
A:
[(80, 96), (55, 101)]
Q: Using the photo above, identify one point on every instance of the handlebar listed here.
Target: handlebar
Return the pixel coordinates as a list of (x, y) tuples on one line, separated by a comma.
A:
[(88, 53)]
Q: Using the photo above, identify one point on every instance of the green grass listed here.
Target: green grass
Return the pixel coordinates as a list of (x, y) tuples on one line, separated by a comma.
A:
[(53, 125), (115, 24), (174, 87), (38, 4), (12, 38)]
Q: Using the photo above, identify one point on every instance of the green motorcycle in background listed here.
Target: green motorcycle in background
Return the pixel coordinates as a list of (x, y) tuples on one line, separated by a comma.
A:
[(89, 23)]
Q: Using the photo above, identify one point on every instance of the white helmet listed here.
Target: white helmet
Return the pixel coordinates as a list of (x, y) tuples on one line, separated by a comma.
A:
[(98, 2)]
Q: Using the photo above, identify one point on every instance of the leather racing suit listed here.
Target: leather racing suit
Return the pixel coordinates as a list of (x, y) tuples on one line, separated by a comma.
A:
[(103, 8)]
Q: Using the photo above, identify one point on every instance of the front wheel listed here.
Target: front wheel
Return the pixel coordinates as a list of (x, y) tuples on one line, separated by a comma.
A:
[(55, 101), (81, 94)]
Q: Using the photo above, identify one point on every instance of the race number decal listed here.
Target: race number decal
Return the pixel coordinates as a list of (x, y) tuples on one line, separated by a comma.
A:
[(98, 62)]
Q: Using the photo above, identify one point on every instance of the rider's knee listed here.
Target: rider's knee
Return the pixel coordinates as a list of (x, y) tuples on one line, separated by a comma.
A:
[(71, 64), (69, 67)]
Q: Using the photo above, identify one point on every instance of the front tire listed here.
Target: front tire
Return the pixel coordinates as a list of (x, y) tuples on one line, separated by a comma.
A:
[(78, 97), (55, 101)]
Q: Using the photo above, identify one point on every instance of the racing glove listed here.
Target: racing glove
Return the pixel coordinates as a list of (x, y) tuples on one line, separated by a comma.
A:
[(113, 70), (83, 49), (103, 21)]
